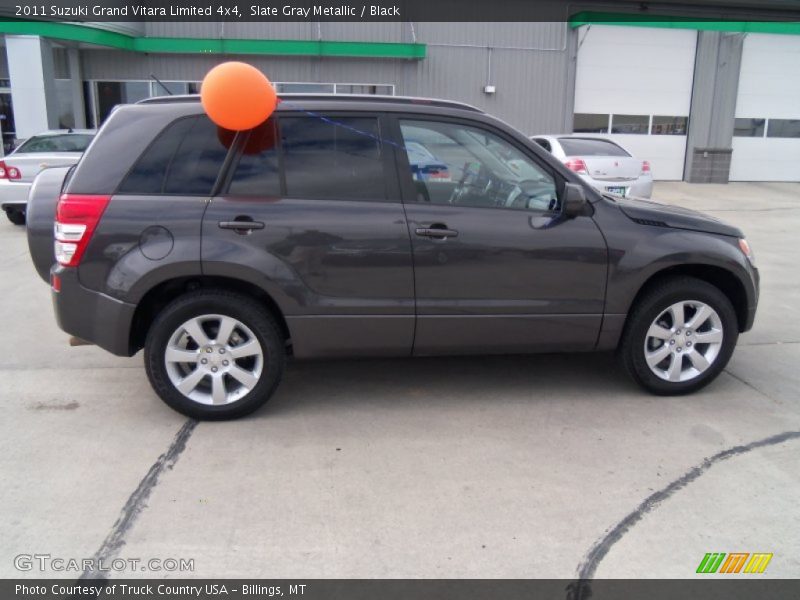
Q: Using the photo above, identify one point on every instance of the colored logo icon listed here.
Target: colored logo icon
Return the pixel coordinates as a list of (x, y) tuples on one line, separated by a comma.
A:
[(736, 562)]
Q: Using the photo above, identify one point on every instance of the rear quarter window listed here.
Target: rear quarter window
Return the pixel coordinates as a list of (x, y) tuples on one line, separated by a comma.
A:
[(590, 147), (185, 159)]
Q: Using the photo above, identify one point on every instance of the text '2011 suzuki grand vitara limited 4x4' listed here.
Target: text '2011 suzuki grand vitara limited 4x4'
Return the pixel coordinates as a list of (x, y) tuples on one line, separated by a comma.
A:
[(357, 226)]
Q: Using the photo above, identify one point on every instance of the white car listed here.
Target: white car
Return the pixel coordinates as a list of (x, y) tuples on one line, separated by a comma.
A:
[(602, 163), (57, 148)]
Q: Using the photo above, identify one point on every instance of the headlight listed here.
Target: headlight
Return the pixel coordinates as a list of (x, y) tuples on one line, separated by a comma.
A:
[(746, 250)]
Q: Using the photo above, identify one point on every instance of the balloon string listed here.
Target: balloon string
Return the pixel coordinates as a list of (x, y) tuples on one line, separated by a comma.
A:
[(330, 121)]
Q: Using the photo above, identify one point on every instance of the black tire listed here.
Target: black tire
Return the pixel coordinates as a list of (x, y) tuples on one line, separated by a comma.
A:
[(649, 307), (16, 216), (242, 308)]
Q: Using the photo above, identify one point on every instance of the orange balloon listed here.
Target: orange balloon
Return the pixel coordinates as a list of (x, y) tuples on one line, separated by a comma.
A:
[(237, 96)]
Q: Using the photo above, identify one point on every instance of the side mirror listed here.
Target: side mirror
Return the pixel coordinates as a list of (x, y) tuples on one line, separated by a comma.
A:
[(574, 200)]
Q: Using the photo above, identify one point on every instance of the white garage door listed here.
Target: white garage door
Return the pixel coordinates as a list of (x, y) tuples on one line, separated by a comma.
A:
[(639, 80), (766, 142)]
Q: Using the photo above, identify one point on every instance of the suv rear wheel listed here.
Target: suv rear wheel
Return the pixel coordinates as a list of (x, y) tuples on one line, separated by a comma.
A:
[(214, 355), (679, 337)]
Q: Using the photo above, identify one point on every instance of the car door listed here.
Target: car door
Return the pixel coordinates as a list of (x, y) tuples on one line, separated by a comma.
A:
[(498, 267), (310, 212)]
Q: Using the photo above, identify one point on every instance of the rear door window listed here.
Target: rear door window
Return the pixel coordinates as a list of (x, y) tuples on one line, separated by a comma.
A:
[(185, 159), (333, 158), (257, 172), (590, 147)]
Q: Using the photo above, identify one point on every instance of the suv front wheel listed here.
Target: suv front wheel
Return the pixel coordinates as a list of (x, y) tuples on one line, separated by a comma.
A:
[(214, 355), (679, 337)]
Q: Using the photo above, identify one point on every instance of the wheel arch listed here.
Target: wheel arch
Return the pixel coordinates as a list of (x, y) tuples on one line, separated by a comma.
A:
[(724, 280), (156, 298)]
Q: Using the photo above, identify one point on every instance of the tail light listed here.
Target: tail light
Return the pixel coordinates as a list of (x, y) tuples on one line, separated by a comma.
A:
[(7, 172), (77, 217), (645, 167), (577, 165)]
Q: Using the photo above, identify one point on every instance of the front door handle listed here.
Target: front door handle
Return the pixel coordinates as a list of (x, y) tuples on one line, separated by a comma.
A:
[(241, 225), (437, 230)]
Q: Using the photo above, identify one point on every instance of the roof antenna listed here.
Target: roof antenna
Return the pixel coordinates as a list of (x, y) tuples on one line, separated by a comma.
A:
[(158, 81)]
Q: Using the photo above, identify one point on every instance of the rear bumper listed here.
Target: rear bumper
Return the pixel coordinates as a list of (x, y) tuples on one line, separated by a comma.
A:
[(90, 315), (640, 188), (13, 193)]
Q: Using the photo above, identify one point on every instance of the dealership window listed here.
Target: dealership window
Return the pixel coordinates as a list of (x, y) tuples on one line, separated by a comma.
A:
[(749, 127), (111, 93), (669, 125), (174, 88), (337, 161), (630, 124), (783, 128), (100, 97), (590, 123)]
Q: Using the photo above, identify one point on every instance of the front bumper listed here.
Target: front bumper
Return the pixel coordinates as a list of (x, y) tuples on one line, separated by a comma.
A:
[(91, 315), (13, 193)]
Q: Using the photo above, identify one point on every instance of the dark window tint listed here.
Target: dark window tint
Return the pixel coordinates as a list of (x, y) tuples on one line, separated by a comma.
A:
[(783, 128), (184, 159), (68, 142), (337, 158), (749, 127), (590, 147), (196, 164), (544, 144), (669, 125), (147, 175), (590, 123), (636, 124), (257, 173)]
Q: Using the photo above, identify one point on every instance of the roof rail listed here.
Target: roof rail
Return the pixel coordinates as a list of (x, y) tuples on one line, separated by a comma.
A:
[(331, 97)]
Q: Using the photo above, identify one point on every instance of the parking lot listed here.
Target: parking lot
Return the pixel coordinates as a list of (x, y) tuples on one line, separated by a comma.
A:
[(548, 466)]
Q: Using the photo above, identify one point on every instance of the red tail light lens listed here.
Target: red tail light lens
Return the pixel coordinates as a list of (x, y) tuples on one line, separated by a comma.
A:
[(7, 172), (645, 167), (577, 165), (77, 217)]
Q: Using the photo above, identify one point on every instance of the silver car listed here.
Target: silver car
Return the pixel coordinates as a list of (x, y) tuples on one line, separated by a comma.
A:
[(57, 148), (602, 163)]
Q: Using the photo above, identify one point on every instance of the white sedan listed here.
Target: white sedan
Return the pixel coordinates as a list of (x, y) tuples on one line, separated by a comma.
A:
[(602, 163), (55, 148)]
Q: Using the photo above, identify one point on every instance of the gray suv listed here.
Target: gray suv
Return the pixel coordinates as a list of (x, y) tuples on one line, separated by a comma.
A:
[(358, 226)]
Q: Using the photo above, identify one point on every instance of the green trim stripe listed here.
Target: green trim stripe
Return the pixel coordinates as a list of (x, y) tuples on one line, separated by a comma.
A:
[(665, 22), (112, 39)]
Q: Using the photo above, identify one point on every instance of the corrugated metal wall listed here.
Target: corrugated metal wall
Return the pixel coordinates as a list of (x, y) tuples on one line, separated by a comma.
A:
[(529, 63)]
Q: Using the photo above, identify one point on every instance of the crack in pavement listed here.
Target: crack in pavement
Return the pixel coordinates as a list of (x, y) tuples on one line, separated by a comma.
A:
[(580, 589), (138, 501)]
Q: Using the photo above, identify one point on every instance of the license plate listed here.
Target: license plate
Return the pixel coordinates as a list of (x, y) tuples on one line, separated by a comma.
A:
[(616, 190)]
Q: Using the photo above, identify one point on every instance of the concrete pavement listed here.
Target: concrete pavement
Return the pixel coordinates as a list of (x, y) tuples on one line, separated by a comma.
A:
[(449, 467)]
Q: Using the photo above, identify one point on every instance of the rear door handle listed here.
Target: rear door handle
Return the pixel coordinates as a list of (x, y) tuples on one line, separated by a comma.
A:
[(436, 231), (241, 225)]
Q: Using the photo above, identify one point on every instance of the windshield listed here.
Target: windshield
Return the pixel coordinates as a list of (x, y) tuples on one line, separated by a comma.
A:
[(590, 147), (66, 142)]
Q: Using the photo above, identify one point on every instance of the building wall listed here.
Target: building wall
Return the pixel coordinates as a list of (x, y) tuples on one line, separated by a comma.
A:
[(527, 62)]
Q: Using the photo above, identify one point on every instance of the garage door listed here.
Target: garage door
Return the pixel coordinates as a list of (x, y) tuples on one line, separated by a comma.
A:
[(635, 83), (766, 142)]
